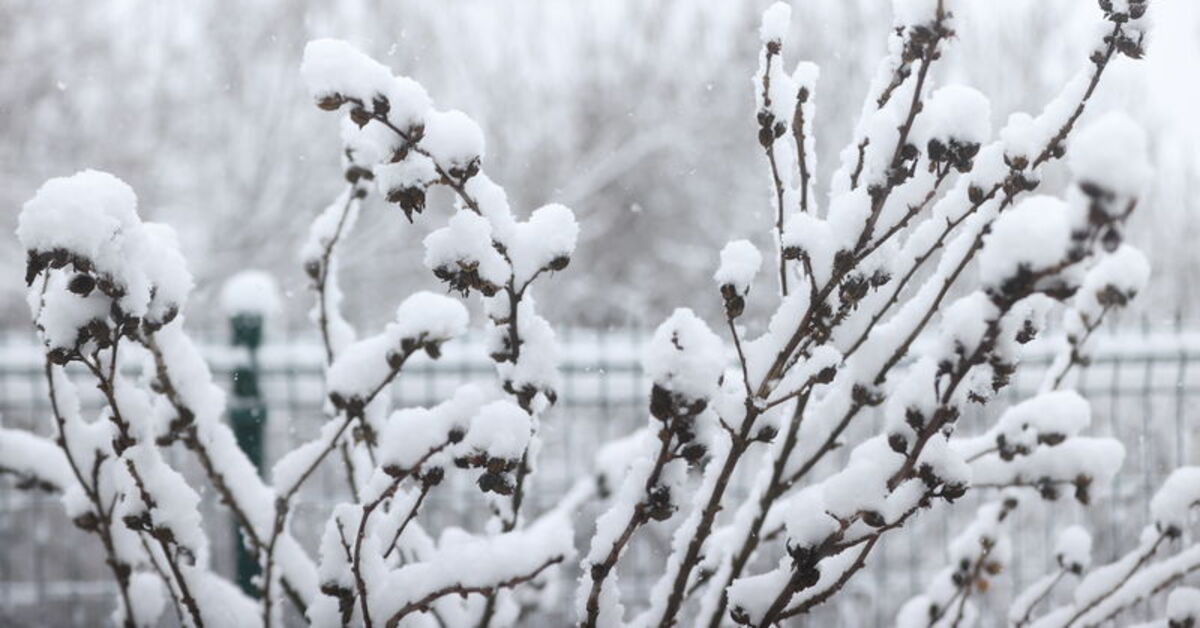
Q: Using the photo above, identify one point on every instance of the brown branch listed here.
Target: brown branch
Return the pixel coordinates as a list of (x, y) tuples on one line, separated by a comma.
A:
[(858, 168), (784, 358), (1137, 566), (969, 585), (412, 144), (269, 566), (951, 225), (737, 343), (348, 465), (1054, 146), (424, 603), (965, 364), (767, 140), (321, 281), (599, 572), (801, 153), (868, 544), (1074, 358), (1159, 588), (353, 193), (397, 478), (412, 514), (912, 212), (738, 445), (1028, 615), (750, 541), (162, 575), (106, 383), (929, 54), (859, 562), (103, 528), (193, 442)]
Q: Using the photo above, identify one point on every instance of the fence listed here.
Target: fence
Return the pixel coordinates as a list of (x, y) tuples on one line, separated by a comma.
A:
[(1142, 385)]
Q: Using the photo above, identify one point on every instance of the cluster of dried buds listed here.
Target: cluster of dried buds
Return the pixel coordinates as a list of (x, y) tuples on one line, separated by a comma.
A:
[(1122, 13), (497, 472), (463, 276), (953, 153)]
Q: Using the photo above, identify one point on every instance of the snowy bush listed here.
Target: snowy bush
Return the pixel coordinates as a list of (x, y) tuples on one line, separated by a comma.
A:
[(107, 290), (930, 233), (909, 298)]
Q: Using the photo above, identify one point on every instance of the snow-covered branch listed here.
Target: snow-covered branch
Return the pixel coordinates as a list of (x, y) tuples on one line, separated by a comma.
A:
[(399, 141), (845, 342)]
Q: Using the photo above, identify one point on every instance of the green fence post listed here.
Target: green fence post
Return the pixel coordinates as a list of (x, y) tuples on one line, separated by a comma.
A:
[(247, 415), (248, 299)]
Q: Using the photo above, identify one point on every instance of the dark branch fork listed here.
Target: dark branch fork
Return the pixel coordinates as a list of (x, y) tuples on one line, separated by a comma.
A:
[(1027, 616), (1142, 560), (670, 448), (425, 603), (398, 477)]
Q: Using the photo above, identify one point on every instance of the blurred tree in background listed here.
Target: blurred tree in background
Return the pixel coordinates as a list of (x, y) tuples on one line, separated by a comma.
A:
[(635, 113)]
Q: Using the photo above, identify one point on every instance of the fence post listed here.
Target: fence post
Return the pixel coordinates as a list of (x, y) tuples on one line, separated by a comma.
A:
[(247, 414), (248, 298)]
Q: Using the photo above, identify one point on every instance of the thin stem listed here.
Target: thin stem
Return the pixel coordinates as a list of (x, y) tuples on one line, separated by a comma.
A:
[(737, 342), (1051, 148), (801, 153), (1074, 359), (107, 386), (322, 279), (750, 541), (162, 575), (348, 465), (412, 514), (599, 572), (969, 585), (465, 590), (772, 51), (367, 510), (103, 516), (868, 544), (269, 567), (1027, 616), (1142, 560)]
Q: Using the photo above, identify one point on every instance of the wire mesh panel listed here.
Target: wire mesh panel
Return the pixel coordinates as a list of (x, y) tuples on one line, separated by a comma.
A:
[(1141, 385)]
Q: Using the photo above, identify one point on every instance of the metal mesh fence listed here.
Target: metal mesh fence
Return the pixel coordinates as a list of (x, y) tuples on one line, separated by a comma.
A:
[(1141, 384)]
